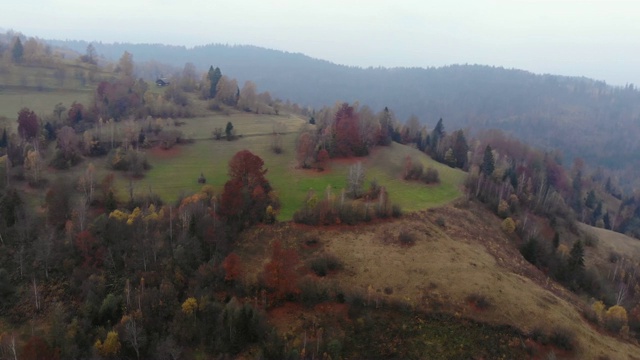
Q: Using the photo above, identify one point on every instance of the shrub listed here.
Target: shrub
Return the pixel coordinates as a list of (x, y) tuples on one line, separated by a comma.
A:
[(128, 160), (508, 225), (168, 138), (414, 172), (562, 339), (406, 238), (311, 292), (615, 318), (324, 264), (396, 211), (590, 241), (440, 221), (479, 301), (431, 176)]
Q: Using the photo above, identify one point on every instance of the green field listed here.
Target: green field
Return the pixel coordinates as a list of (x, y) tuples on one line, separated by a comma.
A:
[(41, 102), (176, 172)]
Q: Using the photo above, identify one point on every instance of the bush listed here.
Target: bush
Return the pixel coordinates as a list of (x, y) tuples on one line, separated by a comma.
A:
[(414, 172), (396, 211), (562, 339), (590, 241), (431, 176), (508, 225), (311, 292), (615, 318), (128, 160), (168, 138), (324, 264), (61, 162), (479, 301), (406, 238)]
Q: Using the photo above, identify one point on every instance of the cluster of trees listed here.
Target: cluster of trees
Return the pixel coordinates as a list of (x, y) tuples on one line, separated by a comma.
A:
[(140, 278), (30, 62), (353, 204), (350, 130), (540, 201)]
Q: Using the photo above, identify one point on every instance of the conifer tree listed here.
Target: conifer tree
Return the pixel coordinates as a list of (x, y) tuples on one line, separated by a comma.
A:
[(576, 256), (214, 76), (3, 140), (17, 53), (488, 162)]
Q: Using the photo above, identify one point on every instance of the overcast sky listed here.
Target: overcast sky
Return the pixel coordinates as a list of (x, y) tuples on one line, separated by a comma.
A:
[(598, 39)]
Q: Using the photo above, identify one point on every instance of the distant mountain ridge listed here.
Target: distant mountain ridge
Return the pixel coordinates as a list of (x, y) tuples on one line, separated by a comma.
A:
[(579, 116)]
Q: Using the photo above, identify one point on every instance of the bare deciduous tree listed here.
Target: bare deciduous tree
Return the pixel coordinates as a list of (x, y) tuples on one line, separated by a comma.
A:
[(355, 180)]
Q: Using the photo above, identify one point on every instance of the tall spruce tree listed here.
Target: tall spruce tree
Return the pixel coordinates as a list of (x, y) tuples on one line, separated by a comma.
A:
[(488, 165), (4, 140), (17, 53), (214, 76), (436, 135), (576, 256)]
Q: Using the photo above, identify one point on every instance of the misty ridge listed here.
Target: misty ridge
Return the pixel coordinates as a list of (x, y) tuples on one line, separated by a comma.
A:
[(578, 116)]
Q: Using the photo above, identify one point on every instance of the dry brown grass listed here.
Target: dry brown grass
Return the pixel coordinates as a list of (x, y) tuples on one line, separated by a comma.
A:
[(444, 266), (608, 242)]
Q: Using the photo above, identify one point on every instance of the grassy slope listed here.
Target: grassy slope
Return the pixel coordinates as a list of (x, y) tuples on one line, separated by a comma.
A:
[(176, 171), (40, 88), (446, 265), (609, 242)]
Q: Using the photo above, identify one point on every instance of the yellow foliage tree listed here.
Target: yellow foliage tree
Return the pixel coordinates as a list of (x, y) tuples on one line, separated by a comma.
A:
[(616, 318), (111, 345), (503, 208), (508, 225), (190, 306), (134, 215), (598, 308), (119, 215)]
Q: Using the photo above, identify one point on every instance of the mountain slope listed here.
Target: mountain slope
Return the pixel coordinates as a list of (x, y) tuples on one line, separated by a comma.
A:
[(579, 116), (445, 268)]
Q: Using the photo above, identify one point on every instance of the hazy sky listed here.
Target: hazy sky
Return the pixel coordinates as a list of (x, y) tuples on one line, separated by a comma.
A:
[(598, 39)]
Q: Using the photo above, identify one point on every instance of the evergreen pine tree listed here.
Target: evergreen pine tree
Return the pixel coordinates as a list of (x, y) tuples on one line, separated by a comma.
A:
[(214, 76), (576, 256), (590, 201), (436, 135), (488, 162), (3, 139), (229, 131), (607, 221), (17, 53)]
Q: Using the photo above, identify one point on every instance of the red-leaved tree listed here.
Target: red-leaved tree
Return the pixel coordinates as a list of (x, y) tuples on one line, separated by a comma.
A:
[(246, 194), (28, 124), (280, 274), (232, 267), (347, 135)]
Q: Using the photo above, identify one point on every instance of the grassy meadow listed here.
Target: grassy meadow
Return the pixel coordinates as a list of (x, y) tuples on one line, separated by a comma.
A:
[(175, 171)]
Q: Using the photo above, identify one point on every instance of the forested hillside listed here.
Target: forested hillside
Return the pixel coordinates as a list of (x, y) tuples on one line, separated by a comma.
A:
[(579, 116)]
